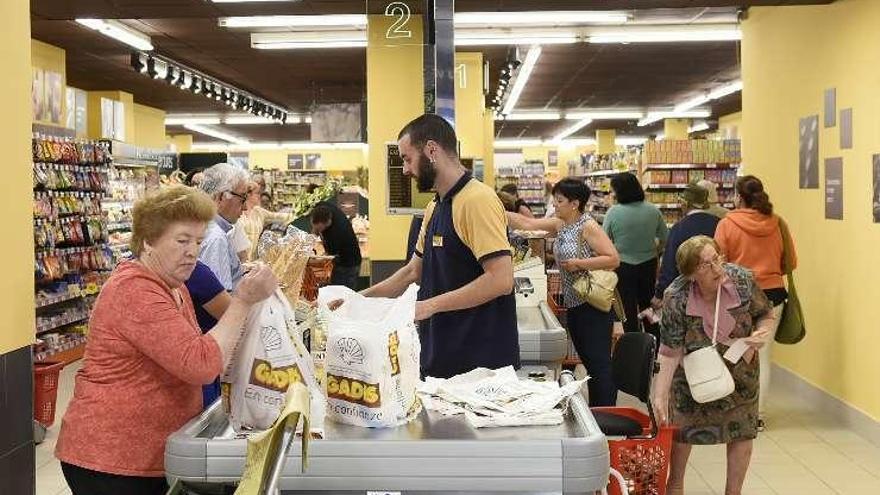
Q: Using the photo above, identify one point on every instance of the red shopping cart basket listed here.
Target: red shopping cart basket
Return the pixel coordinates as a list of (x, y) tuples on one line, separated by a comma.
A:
[(643, 462), (317, 275), (46, 391)]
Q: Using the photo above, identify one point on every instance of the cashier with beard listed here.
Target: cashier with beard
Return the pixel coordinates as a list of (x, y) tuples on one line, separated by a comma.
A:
[(462, 261)]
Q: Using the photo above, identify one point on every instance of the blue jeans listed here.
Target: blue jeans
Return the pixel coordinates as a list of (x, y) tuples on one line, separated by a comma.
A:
[(590, 331)]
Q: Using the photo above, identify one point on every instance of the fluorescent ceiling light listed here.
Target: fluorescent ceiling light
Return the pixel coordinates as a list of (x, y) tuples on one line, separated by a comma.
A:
[(539, 18), (209, 131), (604, 115), (572, 129), (119, 32), (311, 39), (299, 21), (721, 92), (702, 126), (577, 142), (658, 116), (251, 1), (184, 120), (487, 37), (246, 146), (530, 116), (726, 90), (667, 36), (522, 77)]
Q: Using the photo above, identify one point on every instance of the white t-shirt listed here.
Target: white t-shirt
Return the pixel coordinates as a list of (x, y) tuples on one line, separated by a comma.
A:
[(238, 237)]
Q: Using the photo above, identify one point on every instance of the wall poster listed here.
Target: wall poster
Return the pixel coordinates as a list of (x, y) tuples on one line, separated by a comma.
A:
[(38, 95), (313, 161), (834, 188), (809, 152), (830, 107), (875, 201), (295, 162), (54, 96), (846, 129)]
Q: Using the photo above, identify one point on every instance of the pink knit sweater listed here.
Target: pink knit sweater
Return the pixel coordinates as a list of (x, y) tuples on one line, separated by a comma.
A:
[(145, 362)]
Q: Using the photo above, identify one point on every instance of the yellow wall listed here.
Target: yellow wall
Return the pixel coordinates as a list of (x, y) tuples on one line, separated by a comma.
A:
[(730, 126), (469, 103), (489, 149), (181, 142), (50, 59), (149, 127), (396, 95), (605, 141), (17, 249), (790, 56), (676, 129), (331, 159)]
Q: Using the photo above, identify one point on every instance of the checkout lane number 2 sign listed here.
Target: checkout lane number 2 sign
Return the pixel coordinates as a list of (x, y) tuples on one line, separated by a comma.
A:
[(398, 29)]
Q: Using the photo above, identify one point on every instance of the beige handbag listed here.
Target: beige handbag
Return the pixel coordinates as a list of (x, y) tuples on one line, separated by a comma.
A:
[(597, 287), (707, 375)]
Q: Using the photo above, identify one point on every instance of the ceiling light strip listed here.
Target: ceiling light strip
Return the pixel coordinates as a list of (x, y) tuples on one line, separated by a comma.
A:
[(215, 133), (186, 77), (119, 32), (572, 129), (522, 78)]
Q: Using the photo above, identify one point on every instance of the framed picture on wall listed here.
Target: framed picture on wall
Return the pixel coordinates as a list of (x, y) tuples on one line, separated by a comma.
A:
[(313, 161), (295, 162), (553, 158), (54, 96), (38, 95)]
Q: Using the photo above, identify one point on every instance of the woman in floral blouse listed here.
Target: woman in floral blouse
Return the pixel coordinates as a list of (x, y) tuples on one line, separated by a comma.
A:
[(686, 325)]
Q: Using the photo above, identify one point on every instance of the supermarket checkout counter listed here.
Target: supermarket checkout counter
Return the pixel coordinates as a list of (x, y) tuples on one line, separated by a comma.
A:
[(434, 454)]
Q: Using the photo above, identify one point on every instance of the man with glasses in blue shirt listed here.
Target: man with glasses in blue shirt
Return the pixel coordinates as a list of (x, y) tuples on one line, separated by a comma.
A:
[(228, 187)]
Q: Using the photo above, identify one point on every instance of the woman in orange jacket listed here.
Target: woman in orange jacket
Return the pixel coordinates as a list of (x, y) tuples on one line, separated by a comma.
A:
[(750, 236)]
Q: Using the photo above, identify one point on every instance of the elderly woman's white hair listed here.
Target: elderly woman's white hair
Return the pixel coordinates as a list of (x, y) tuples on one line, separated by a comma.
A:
[(222, 178)]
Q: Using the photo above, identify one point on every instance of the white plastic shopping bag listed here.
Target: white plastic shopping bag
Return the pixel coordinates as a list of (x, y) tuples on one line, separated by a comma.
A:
[(372, 357), (266, 361)]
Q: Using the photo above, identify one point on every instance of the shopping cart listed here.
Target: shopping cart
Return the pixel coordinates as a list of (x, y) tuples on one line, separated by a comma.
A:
[(45, 396), (640, 448), (317, 275)]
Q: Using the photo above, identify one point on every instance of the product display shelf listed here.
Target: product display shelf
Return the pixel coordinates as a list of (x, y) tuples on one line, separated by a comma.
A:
[(70, 180), (529, 180), (670, 167), (287, 184)]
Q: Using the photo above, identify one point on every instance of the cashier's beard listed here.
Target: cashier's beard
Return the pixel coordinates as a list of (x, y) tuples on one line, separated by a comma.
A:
[(427, 173)]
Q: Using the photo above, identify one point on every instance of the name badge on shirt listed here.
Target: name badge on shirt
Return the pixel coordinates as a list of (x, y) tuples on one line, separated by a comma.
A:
[(437, 241)]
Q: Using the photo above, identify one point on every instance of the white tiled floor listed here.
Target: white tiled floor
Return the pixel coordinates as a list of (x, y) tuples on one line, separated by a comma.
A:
[(801, 453)]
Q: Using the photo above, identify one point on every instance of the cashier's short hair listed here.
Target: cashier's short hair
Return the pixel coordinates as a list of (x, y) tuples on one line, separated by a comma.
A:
[(153, 214), (687, 258), (573, 189), (431, 127)]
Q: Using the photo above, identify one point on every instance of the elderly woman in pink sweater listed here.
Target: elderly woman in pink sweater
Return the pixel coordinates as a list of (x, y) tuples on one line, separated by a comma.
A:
[(146, 359)]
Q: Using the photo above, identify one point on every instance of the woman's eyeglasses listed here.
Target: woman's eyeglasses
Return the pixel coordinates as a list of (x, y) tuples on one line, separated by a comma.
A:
[(716, 260)]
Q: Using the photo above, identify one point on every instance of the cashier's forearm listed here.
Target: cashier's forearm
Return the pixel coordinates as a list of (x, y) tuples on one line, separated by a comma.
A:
[(228, 329)]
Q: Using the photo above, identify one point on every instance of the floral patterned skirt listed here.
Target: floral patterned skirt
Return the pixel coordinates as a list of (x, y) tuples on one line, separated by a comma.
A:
[(726, 420)]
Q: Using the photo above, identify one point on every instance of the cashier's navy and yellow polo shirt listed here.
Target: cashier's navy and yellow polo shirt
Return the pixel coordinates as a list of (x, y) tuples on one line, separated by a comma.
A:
[(461, 230)]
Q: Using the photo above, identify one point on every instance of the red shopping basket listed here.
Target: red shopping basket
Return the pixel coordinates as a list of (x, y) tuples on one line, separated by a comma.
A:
[(643, 462), (317, 275), (46, 391)]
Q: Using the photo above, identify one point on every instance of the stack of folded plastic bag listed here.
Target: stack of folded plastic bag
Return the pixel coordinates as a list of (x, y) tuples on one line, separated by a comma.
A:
[(372, 357), (498, 398)]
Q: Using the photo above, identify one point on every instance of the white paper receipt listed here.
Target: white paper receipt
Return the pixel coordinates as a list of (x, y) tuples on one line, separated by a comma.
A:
[(736, 350)]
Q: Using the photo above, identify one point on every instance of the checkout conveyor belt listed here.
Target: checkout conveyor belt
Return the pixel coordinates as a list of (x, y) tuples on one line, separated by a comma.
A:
[(542, 339), (434, 454)]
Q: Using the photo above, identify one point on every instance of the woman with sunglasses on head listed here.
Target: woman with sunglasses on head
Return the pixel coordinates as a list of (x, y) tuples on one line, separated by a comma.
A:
[(751, 236), (707, 284)]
